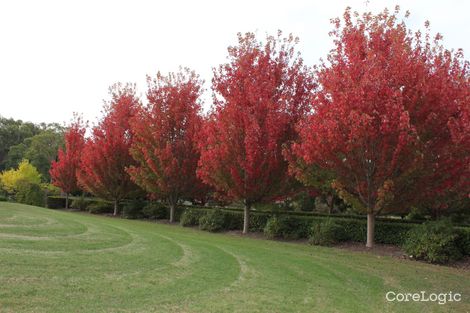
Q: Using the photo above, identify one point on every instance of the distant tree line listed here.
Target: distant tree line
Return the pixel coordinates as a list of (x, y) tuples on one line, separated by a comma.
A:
[(37, 143)]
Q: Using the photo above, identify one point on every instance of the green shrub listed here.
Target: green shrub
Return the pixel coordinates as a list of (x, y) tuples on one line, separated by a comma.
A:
[(415, 215), (234, 221), (212, 221), (356, 230), (463, 241), (100, 207), (385, 232), (257, 221), (391, 233), (327, 233), (295, 228), (273, 228), (435, 242), (156, 210), (3, 198), (298, 225), (51, 190), (80, 203), (460, 218), (287, 227), (30, 193), (133, 208), (159, 210), (191, 217), (178, 212)]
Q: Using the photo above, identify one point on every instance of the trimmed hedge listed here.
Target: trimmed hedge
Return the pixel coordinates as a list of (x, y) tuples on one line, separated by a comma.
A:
[(56, 202), (299, 226), (289, 225), (232, 220), (314, 214)]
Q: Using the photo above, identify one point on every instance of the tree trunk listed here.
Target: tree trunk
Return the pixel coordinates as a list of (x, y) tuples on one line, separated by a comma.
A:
[(370, 230), (330, 203), (246, 218), (172, 213), (115, 207), (67, 200)]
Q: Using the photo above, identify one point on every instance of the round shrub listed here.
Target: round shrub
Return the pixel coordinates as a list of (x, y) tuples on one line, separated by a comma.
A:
[(295, 228), (100, 207), (287, 227), (212, 221), (133, 209), (435, 242), (30, 193), (273, 228), (156, 210), (79, 203), (326, 233), (190, 217)]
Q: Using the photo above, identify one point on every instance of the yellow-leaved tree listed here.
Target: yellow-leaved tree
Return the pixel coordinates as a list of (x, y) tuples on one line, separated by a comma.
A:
[(26, 172)]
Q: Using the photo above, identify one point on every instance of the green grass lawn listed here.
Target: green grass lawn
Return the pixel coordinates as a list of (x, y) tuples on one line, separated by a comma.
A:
[(54, 261)]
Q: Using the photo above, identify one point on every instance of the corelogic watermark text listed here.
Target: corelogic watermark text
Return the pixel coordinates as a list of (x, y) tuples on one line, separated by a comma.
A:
[(423, 296)]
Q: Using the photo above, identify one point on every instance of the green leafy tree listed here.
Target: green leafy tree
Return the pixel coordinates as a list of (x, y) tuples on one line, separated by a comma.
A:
[(43, 150), (15, 154), (14, 132), (40, 150)]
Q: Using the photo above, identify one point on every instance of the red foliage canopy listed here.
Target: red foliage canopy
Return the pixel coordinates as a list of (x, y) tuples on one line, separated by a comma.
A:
[(389, 119), (106, 154), (164, 137), (63, 171), (259, 95)]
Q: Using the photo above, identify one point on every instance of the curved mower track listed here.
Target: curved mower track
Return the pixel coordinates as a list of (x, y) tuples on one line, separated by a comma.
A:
[(55, 261)]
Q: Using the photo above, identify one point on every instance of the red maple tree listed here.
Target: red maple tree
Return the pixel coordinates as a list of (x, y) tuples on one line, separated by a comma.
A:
[(164, 133), (63, 171), (259, 96), (105, 155), (381, 116)]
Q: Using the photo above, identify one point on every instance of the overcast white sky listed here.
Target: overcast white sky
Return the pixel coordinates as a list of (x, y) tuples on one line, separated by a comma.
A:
[(60, 57)]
